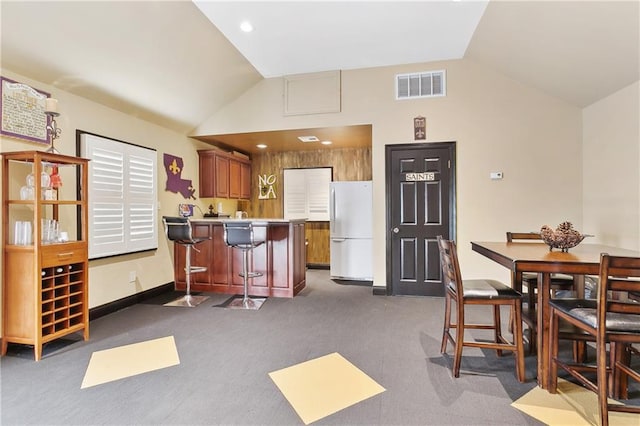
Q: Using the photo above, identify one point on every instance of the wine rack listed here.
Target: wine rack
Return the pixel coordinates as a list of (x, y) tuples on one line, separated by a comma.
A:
[(44, 283)]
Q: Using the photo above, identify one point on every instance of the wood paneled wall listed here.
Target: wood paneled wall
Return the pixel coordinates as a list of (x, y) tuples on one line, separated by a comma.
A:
[(348, 164), (318, 247)]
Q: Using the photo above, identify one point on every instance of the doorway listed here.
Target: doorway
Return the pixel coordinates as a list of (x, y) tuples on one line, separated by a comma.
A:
[(421, 200)]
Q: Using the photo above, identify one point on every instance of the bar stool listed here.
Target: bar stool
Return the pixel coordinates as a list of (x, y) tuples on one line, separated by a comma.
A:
[(178, 230), (240, 235)]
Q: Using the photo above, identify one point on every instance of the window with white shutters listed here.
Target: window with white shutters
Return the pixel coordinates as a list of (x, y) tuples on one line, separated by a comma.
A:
[(306, 193), (122, 196)]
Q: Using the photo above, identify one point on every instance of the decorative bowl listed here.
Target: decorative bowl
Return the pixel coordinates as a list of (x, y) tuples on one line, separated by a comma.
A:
[(563, 237)]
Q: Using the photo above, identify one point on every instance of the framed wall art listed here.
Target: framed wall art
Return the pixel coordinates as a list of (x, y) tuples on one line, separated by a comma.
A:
[(23, 113)]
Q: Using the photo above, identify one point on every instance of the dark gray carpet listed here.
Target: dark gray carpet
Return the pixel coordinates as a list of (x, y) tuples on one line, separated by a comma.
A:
[(226, 355)]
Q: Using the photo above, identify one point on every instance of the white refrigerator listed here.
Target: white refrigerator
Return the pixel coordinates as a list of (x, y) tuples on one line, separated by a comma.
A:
[(351, 207)]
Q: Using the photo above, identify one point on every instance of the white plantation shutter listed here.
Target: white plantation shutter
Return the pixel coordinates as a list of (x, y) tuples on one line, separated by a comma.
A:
[(306, 193), (295, 195), (122, 196), (141, 213), (318, 186)]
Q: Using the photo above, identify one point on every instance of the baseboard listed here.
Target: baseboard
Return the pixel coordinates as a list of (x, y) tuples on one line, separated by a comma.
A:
[(116, 305), (380, 291), (317, 266)]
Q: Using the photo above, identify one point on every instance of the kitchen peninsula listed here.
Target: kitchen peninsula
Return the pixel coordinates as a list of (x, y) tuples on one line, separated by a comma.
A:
[(281, 259)]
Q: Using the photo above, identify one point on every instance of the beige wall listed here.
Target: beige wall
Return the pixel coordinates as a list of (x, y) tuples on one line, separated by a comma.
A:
[(611, 176), (109, 278), (498, 124)]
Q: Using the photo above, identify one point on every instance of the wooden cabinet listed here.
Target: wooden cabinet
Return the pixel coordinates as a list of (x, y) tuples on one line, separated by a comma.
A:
[(223, 175), (206, 164), (44, 283), (235, 188), (239, 179), (245, 181), (281, 259)]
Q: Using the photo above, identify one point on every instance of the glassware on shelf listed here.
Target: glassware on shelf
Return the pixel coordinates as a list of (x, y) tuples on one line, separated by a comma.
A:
[(27, 192), (50, 231), (45, 180), (22, 233)]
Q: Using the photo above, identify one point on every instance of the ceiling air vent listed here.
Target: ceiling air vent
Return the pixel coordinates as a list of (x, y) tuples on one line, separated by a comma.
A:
[(307, 139), (420, 85)]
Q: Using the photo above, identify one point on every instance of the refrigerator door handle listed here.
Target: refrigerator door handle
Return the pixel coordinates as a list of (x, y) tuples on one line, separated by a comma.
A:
[(338, 240), (332, 211)]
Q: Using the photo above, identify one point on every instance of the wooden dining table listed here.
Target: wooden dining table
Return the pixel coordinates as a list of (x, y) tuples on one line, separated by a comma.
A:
[(520, 257)]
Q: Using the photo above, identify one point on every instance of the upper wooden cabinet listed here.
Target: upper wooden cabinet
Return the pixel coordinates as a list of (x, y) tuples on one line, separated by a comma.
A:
[(245, 180), (206, 165), (223, 175)]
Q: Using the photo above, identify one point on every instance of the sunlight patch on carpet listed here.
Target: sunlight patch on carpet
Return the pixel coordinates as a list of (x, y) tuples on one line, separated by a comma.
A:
[(130, 360), (573, 405), (323, 386)]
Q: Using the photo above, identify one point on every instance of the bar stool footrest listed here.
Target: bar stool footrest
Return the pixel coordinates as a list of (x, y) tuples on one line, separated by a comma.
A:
[(251, 274)]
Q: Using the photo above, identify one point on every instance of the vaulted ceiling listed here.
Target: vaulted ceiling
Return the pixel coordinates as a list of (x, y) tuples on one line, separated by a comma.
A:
[(175, 63)]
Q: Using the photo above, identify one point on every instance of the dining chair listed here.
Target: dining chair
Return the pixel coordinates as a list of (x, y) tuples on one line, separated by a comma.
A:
[(559, 282), (477, 292), (613, 321)]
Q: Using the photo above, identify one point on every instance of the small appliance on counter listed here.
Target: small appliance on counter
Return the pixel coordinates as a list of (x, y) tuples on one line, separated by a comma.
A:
[(220, 212)]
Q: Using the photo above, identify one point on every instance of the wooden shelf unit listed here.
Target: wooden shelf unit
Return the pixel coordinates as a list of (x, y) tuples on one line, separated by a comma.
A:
[(44, 285)]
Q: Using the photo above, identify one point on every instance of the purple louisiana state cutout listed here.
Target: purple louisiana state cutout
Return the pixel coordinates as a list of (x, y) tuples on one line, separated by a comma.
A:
[(173, 166)]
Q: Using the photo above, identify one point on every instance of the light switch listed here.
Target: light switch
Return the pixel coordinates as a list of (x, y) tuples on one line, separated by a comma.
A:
[(495, 175)]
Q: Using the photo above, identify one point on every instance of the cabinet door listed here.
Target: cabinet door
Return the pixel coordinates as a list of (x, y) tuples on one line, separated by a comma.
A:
[(221, 171), (235, 179), (207, 176), (245, 181)]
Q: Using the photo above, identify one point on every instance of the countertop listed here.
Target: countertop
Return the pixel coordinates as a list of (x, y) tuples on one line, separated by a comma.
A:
[(256, 220)]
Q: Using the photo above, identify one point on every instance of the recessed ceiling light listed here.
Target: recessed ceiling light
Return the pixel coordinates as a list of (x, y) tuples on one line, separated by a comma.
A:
[(308, 139), (326, 142), (246, 26), (261, 146)]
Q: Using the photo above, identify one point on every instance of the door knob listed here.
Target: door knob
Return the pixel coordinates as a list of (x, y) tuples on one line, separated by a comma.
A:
[(396, 230)]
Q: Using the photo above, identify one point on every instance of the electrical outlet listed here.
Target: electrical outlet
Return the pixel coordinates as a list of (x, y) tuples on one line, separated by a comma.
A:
[(132, 276)]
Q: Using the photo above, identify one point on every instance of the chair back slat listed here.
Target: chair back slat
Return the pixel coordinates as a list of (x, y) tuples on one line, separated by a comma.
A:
[(618, 274), (511, 236), (452, 278), (624, 307), (617, 284)]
